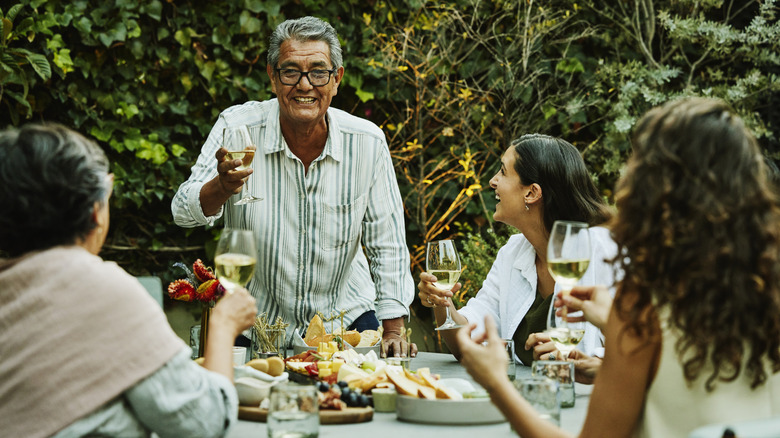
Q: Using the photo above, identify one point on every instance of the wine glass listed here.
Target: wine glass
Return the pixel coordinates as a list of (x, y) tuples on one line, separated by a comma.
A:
[(442, 261), (568, 257), (240, 146), (235, 259)]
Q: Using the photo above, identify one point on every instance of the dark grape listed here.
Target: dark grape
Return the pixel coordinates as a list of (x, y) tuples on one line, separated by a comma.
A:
[(345, 392), (363, 401), (323, 386), (343, 384), (352, 399)]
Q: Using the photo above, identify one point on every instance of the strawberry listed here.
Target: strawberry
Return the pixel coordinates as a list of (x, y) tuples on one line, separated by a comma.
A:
[(202, 273), (181, 290)]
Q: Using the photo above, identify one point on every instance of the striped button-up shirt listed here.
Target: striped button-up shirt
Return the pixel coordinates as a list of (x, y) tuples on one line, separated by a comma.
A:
[(312, 227)]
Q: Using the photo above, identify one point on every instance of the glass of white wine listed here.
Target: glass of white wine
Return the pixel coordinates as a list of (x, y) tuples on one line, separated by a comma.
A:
[(235, 258), (568, 257), (443, 262), (239, 144)]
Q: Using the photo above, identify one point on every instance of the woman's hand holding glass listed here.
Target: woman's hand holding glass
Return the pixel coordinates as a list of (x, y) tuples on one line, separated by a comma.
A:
[(443, 263), (432, 296)]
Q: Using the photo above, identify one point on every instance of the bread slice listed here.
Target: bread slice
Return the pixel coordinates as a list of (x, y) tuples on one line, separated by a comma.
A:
[(315, 330)]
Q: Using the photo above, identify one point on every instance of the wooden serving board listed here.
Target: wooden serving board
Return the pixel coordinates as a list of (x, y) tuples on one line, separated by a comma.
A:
[(327, 416)]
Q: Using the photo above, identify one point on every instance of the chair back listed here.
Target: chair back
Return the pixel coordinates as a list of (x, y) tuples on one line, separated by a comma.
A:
[(154, 286)]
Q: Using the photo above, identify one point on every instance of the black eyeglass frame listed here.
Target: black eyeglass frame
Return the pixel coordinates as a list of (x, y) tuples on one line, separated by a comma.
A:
[(301, 74)]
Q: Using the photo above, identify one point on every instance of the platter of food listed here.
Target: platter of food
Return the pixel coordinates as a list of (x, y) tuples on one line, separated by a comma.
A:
[(327, 416), (361, 342), (424, 399)]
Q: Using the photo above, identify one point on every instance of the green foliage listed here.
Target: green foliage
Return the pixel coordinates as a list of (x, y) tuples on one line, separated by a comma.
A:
[(477, 253), (450, 82)]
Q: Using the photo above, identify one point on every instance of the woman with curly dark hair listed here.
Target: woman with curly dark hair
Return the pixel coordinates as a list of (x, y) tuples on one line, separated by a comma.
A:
[(694, 335)]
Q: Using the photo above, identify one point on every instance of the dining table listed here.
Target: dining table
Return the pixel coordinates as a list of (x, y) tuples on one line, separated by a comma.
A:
[(387, 425)]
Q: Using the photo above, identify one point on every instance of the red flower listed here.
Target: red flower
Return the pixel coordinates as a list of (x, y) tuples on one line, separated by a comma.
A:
[(202, 273), (209, 290), (181, 290)]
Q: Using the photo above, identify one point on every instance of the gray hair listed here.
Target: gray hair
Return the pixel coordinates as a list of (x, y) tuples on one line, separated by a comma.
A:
[(305, 29), (50, 179)]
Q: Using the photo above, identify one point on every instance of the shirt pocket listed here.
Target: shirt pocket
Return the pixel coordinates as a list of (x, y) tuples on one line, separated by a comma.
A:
[(341, 224)]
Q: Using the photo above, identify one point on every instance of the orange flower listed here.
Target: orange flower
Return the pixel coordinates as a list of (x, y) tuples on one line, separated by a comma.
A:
[(181, 290), (202, 273)]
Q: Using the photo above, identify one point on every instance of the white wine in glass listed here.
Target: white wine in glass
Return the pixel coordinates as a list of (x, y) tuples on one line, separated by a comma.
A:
[(239, 144), (568, 257), (235, 259), (443, 262)]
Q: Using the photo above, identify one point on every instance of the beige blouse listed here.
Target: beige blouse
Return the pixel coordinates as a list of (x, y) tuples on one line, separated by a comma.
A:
[(674, 409)]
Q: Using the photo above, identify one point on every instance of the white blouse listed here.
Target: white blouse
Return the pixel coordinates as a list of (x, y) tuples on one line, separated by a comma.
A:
[(510, 287)]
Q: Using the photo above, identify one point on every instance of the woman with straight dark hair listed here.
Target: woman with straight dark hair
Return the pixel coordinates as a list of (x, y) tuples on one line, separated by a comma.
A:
[(542, 179), (693, 336)]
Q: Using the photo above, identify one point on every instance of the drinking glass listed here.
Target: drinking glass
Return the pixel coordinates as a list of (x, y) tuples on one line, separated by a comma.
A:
[(563, 372), (568, 257), (240, 146), (235, 258), (293, 411), (509, 344), (442, 261), (542, 394)]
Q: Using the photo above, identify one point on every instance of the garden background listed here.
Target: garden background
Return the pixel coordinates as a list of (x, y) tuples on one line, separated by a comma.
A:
[(450, 83)]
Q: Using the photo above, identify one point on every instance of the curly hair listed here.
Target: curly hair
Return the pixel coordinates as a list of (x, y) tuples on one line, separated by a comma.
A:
[(50, 179), (568, 191), (698, 234)]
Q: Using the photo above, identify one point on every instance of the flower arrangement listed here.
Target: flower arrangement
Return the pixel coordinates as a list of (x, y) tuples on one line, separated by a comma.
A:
[(200, 285)]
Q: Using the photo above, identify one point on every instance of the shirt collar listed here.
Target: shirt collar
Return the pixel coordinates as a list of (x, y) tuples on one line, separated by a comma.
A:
[(333, 145)]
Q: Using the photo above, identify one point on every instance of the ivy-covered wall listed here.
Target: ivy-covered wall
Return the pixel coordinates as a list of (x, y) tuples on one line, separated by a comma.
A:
[(451, 82)]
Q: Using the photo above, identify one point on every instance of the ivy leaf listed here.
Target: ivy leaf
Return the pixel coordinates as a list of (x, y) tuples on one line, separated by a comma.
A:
[(249, 24), (364, 96)]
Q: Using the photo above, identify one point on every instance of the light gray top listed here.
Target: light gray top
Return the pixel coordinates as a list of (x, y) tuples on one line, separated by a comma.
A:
[(180, 399)]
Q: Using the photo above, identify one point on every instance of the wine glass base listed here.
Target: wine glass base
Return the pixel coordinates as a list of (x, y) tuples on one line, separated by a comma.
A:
[(247, 200), (451, 326)]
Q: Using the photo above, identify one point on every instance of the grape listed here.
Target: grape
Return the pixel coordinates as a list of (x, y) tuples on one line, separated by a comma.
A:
[(323, 386), (352, 400), (343, 384), (363, 401), (345, 392)]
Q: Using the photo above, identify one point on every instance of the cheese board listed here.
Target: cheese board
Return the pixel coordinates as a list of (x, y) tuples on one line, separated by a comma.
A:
[(327, 416)]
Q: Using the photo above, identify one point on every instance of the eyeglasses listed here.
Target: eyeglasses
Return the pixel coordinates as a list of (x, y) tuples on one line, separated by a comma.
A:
[(317, 78)]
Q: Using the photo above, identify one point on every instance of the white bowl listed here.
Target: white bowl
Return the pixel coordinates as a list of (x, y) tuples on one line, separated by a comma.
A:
[(252, 391)]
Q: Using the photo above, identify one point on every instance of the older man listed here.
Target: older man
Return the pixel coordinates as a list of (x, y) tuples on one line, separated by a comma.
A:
[(328, 189)]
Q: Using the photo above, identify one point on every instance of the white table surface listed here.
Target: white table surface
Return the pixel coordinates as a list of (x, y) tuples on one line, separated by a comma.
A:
[(386, 425)]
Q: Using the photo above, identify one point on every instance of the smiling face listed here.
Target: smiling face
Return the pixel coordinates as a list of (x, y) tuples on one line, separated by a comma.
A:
[(509, 191), (304, 105)]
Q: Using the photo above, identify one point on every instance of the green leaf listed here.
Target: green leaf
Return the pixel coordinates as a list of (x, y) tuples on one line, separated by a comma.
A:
[(153, 9), (570, 65), (40, 65), (183, 38), (548, 111), (364, 96), (7, 27), (249, 24), (11, 15), (255, 6)]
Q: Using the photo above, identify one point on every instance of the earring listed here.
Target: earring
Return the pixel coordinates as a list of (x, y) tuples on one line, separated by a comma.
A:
[(526, 207)]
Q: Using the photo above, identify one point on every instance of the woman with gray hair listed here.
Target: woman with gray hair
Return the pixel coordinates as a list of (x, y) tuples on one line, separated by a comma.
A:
[(85, 349)]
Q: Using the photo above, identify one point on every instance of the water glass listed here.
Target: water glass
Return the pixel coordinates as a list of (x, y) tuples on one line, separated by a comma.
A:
[(561, 371), (509, 344), (542, 394), (293, 411), (239, 356)]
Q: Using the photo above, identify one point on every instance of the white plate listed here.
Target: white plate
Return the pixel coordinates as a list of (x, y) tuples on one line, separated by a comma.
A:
[(466, 411)]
